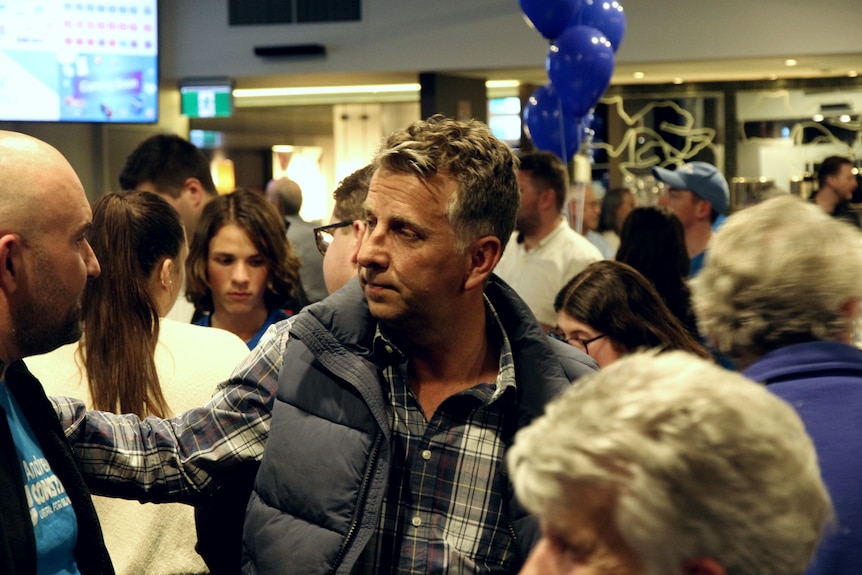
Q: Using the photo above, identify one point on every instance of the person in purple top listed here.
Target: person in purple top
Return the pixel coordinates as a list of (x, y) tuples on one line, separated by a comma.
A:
[(779, 293)]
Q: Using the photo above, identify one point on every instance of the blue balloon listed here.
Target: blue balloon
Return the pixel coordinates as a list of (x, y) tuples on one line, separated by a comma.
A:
[(550, 17), (550, 126), (604, 15), (580, 64)]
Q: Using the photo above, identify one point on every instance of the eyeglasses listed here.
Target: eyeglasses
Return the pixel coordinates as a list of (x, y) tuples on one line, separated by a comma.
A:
[(323, 235), (578, 342)]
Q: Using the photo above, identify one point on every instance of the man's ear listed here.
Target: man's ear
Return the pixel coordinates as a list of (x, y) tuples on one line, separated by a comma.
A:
[(358, 232), (548, 200), (703, 566), (11, 266), (850, 308), (484, 254), (196, 191), (704, 209)]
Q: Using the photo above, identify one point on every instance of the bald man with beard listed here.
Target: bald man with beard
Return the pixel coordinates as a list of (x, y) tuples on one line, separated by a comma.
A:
[(47, 520)]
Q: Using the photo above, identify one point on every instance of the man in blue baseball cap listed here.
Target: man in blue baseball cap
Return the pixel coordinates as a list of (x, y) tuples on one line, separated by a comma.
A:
[(698, 194)]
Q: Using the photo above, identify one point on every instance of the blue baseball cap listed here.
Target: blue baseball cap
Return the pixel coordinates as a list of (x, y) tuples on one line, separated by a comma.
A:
[(701, 178)]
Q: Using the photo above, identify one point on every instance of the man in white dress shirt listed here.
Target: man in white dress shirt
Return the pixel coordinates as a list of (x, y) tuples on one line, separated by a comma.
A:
[(544, 252)]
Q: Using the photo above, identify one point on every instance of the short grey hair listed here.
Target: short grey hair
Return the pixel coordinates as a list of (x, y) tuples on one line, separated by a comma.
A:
[(703, 464), (488, 196), (776, 274)]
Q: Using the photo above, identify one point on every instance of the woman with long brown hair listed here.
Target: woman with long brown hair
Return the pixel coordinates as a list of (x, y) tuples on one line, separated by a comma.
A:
[(653, 242), (609, 309), (133, 360), (242, 271)]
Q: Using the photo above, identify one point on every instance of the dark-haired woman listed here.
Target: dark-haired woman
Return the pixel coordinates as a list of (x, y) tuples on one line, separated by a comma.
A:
[(133, 360), (653, 242), (242, 271), (609, 310)]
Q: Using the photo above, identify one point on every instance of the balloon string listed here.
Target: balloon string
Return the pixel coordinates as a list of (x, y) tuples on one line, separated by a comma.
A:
[(563, 147)]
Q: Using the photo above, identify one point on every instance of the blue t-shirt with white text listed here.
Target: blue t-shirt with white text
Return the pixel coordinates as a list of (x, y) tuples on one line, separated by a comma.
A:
[(54, 523)]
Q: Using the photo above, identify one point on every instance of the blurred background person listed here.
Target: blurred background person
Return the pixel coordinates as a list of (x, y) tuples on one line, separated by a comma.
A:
[(286, 195), (653, 242), (617, 203), (609, 310), (667, 464), (338, 241), (242, 271), (699, 196), (176, 170), (592, 211), (837, 182), (133, 360), (780, 294), (544, 252)]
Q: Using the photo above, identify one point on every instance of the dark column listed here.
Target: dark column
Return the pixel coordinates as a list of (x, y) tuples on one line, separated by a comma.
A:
[(453, 96)]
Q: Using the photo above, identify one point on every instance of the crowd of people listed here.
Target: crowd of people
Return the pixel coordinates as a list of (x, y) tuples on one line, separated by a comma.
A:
[(464, 384)]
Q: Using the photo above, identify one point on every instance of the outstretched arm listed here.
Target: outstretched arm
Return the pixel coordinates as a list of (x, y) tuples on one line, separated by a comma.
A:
[(179, 459)]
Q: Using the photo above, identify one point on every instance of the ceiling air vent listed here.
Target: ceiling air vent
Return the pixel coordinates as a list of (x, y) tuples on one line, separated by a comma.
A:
[(262, 12)]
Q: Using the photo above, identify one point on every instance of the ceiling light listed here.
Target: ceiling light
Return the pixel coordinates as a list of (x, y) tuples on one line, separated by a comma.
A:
[(852, 74), (491, 84), (638, 75), (677, 80), (315, 95), (818, 117), (324, 90), (790, 62), (844, 118)]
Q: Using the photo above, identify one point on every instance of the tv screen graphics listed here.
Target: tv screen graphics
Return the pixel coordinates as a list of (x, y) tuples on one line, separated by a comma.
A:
[(79, 61)]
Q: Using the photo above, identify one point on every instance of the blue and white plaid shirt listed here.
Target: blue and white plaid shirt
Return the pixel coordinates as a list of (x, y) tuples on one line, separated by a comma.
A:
[(445, 510)]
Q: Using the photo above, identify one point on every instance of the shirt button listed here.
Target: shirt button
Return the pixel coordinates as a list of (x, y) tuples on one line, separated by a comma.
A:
[(417, 521), (426, 455)]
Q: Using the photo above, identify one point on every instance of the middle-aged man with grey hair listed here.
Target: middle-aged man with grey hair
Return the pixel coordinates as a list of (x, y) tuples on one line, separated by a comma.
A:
[(780, 294), (381, 415), (669, 465)]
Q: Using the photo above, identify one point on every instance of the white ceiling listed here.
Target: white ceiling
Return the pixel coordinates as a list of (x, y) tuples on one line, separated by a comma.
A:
[(762, 68), (317, 120)]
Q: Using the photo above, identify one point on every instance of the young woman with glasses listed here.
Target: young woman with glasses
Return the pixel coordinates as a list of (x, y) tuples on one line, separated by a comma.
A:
[(610, 309)]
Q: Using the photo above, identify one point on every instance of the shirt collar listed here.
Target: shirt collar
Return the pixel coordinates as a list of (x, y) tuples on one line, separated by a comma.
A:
[(385, 351), (554, 233)]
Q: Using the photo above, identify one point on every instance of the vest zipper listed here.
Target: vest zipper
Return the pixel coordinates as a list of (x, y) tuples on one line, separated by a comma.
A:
[(363, 492)]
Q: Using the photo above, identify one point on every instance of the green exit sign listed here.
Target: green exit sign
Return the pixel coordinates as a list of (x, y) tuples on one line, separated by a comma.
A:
[(207, 101)]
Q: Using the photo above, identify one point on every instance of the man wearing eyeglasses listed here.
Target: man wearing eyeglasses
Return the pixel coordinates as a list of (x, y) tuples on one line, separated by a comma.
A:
[(382, 414), (698, 194), (338, 241)]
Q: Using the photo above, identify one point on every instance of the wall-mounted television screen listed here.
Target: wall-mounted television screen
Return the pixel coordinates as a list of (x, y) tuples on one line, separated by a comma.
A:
[(79, 61)]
